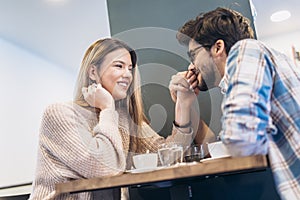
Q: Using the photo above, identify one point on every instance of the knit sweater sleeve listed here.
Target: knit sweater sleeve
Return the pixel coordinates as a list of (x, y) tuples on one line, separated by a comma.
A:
[(66, 136)]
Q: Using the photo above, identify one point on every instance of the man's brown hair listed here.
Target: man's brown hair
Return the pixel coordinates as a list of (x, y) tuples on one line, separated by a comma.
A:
[(221, 23)]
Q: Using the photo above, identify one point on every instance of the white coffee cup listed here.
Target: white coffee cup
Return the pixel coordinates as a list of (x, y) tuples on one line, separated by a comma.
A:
[(218, 150), (145, 161)]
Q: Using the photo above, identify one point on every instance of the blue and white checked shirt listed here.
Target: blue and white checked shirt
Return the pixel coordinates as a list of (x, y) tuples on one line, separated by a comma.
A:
[(261, 110)]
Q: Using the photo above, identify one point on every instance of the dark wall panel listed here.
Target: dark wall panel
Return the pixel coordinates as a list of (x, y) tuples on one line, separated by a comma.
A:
[(150, 28)]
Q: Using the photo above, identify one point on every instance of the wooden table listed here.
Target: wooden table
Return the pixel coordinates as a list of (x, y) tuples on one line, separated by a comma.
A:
[(211, 167)]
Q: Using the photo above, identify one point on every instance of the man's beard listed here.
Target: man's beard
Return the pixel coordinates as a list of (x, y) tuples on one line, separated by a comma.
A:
[(202, 86)]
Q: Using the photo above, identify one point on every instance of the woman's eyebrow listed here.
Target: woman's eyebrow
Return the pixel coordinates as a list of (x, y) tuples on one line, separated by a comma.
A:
[(120, 61)]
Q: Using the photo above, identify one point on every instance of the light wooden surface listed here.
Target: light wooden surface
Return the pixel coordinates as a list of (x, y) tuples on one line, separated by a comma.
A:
[(212, 167)]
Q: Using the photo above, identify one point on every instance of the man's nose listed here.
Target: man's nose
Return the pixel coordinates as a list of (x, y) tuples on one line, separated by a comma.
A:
[(191, 67)]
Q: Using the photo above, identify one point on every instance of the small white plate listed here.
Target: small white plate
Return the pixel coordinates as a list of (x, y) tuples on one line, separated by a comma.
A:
[(134, 171), (208, 159)]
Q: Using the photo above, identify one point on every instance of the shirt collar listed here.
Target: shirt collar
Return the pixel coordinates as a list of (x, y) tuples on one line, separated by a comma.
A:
[(223, 85)]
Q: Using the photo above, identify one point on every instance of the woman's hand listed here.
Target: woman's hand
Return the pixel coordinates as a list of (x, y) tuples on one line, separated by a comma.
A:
[(176, 85), (97, 96), (184, 87)]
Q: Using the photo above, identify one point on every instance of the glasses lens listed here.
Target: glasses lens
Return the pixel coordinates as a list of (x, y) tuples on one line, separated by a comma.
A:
[(192, 54)]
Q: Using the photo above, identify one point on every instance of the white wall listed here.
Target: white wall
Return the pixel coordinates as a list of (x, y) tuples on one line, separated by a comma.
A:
[(27, 84), (284, 42)]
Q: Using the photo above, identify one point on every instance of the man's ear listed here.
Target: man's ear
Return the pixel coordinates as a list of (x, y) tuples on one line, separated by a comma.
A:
[(93, 73), (219, 48)]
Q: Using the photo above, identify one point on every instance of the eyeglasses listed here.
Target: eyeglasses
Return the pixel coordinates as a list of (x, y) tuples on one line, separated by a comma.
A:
[(192, 53)]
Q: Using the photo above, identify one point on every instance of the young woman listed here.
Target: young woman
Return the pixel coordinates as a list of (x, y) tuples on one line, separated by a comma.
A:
[(94, 135)]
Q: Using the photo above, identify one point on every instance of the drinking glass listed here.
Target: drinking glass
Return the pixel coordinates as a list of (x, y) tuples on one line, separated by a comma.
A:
[(170, 154), (194, 153)]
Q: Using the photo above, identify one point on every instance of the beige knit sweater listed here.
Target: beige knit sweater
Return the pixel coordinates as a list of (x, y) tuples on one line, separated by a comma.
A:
[(76, 143)]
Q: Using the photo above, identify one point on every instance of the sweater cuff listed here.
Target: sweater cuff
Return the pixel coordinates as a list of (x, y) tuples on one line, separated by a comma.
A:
[(109, 117), (108, 122)]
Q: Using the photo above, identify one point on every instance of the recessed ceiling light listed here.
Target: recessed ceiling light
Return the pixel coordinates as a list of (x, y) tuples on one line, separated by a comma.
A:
[(57, 2), (280, 16)]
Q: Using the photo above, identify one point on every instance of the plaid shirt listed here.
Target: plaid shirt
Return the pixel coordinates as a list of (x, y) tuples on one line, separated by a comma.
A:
[(261, 110)]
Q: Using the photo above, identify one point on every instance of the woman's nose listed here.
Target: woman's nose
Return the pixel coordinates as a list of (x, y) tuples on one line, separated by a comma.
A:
[(127, 72)]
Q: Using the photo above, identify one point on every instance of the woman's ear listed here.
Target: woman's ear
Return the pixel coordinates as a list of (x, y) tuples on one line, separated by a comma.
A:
[(93, 73)]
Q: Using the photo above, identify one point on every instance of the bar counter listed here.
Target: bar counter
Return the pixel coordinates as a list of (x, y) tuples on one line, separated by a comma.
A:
[(217, 167)]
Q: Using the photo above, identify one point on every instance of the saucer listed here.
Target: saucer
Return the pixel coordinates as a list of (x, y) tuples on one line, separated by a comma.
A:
[(142, 170), (134, 171), (215, 158)]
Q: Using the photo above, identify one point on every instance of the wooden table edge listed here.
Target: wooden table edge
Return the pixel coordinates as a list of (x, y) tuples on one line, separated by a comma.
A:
[(218, 166)]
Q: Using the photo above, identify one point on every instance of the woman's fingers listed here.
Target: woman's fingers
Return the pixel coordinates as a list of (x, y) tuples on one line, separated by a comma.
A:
[(180, 88), (84, 90), (89, 91), (178, 82)]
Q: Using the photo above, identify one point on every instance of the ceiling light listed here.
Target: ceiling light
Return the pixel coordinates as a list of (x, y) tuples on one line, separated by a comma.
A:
[(57, 2), (280, 16)]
